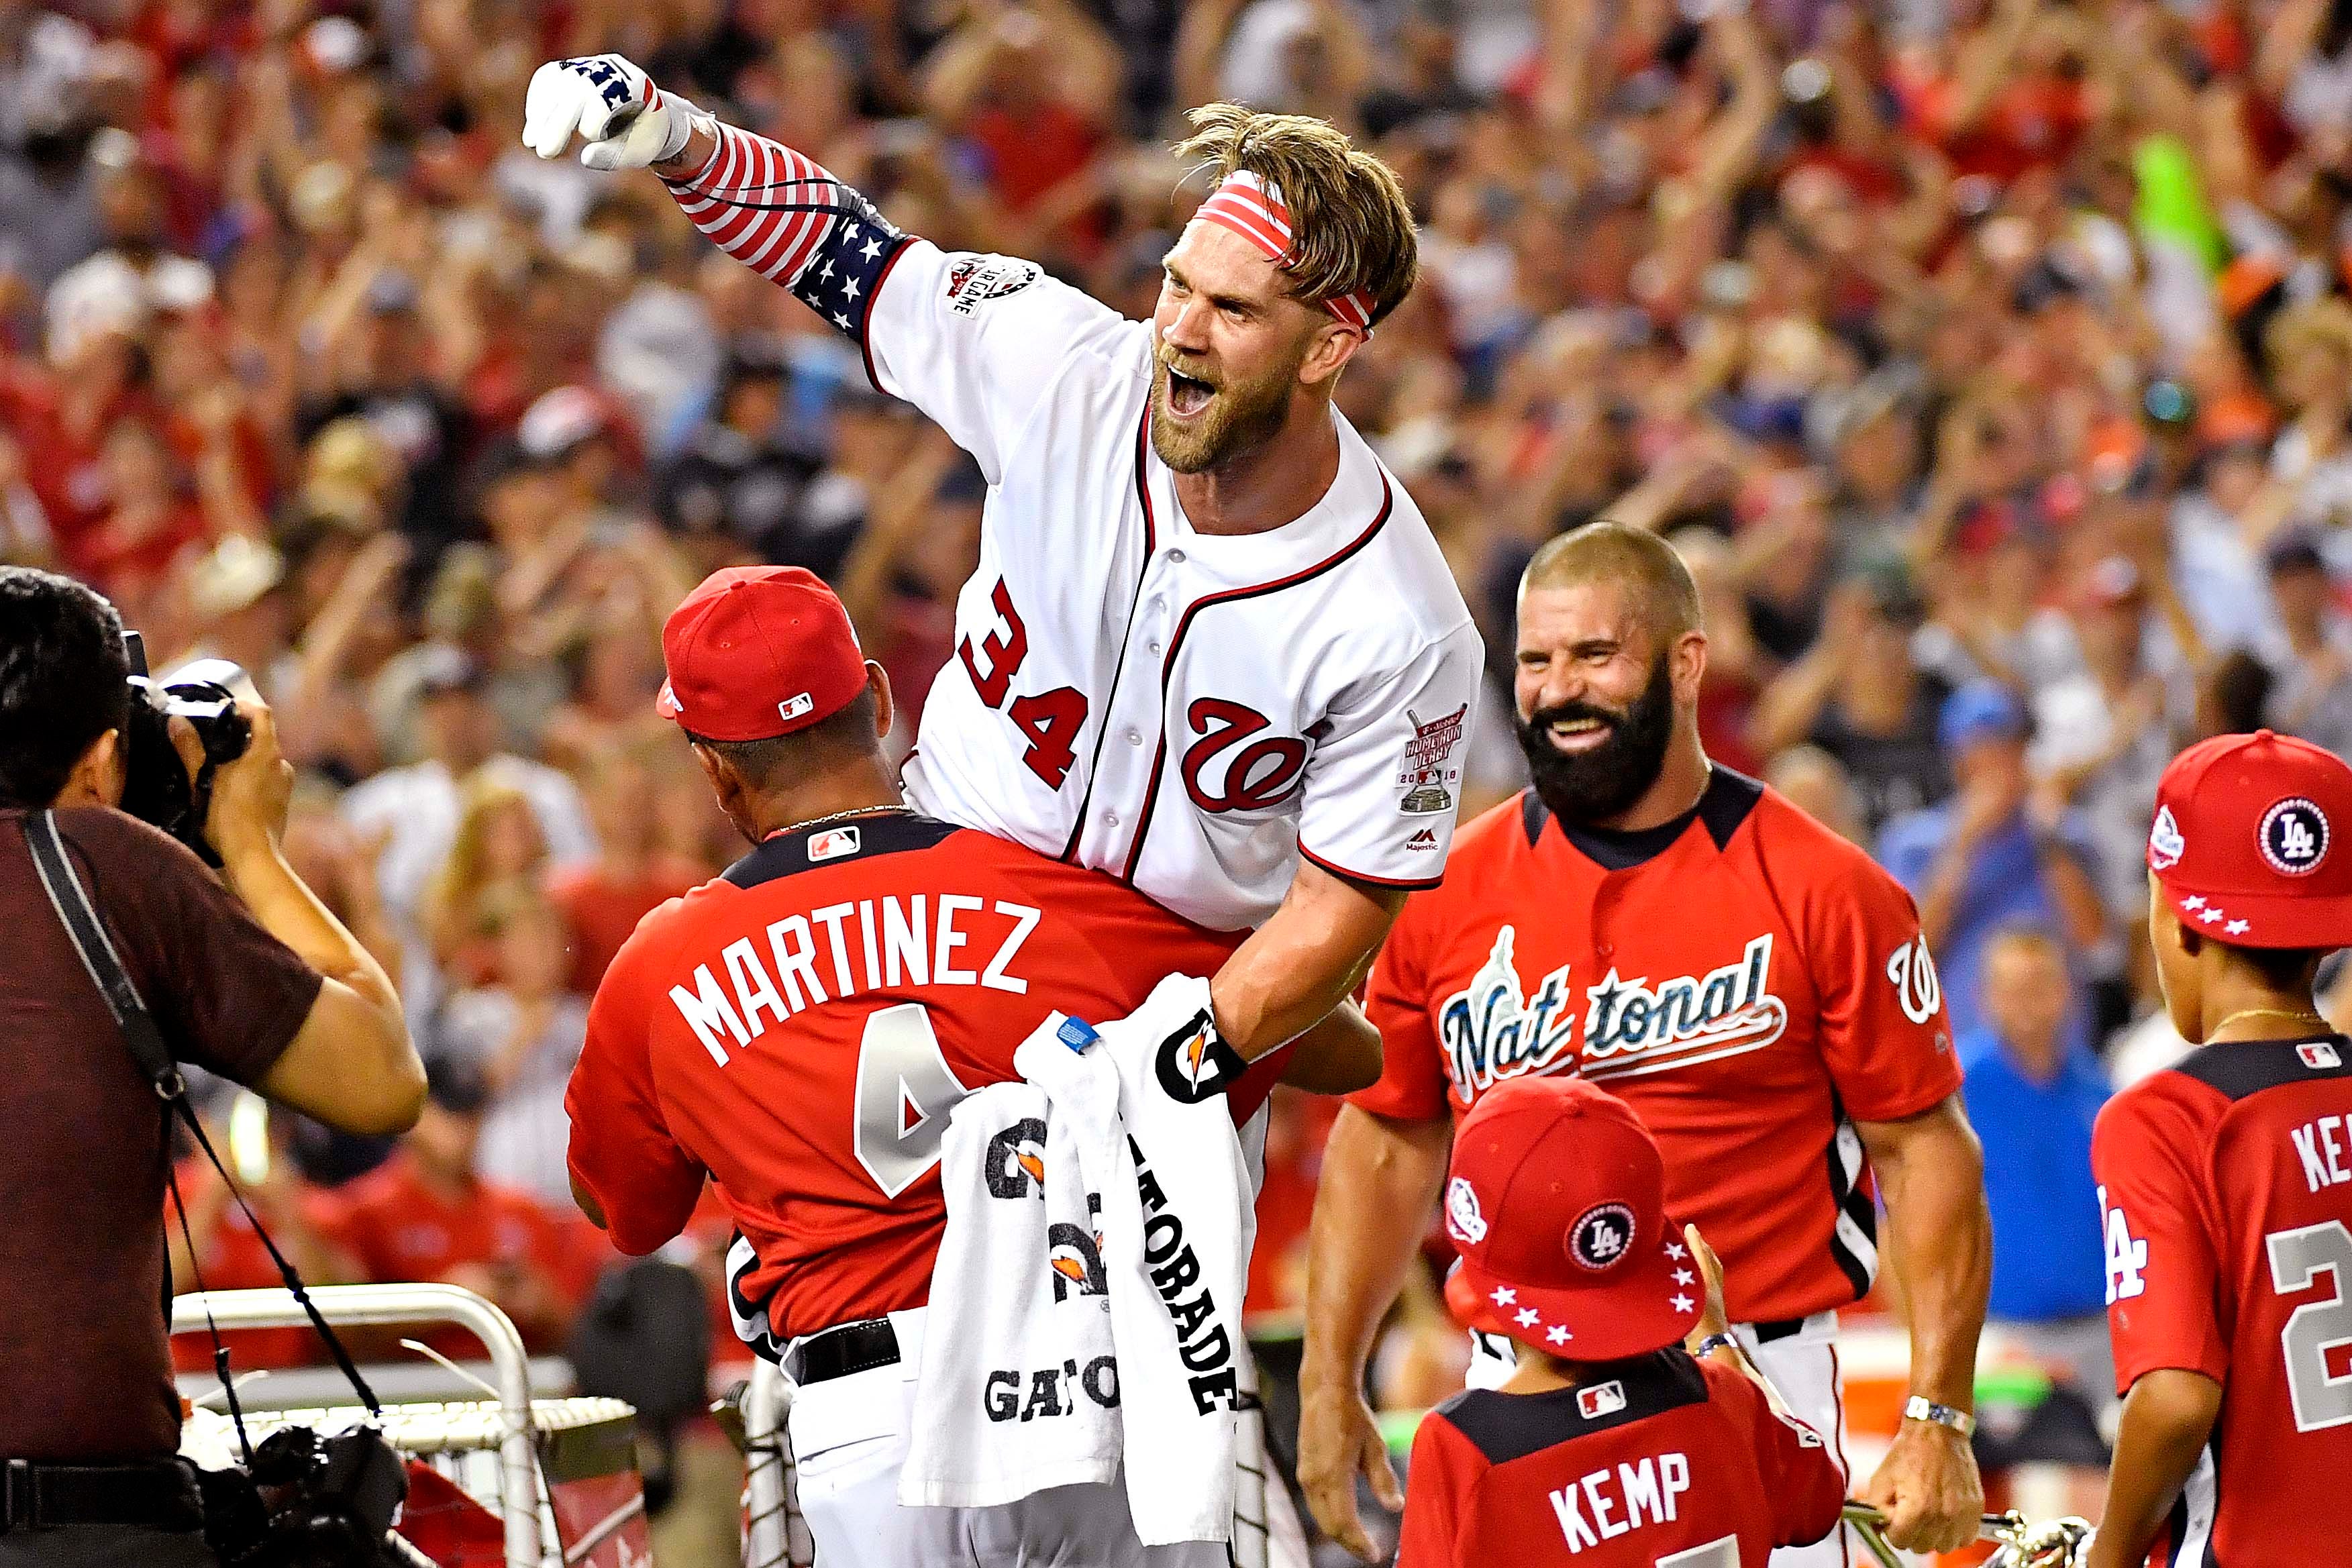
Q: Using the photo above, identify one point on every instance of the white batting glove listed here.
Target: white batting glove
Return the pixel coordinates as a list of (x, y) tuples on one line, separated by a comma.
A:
[(624, 122)]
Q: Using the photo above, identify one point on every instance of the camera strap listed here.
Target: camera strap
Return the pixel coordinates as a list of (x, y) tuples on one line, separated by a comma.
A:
[(145, 1041)]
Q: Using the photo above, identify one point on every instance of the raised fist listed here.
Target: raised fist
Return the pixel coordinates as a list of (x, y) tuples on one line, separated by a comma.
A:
[(624, 121)]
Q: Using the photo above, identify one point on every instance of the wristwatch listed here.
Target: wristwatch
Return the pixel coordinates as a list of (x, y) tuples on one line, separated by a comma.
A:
[(1919, 1407), (1714, 1343)]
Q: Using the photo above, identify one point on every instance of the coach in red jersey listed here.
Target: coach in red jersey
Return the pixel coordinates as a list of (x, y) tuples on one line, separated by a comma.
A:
[(798, 1030), (1612, 1444), (1753, 986), (2226, 1181)]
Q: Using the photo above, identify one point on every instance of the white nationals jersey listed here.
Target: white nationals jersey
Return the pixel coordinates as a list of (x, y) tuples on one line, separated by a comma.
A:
[(1189, 712)]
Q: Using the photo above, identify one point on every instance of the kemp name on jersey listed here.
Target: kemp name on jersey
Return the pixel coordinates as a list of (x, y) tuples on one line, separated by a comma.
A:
[(1749, 982)]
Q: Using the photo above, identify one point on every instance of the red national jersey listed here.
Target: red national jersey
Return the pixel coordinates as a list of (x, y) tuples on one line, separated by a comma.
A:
[(1659, 1460), (1747, 980), (2226, 1187), (800, 1028)]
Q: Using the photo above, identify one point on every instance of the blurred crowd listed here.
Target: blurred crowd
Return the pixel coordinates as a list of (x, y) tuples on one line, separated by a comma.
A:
[(1989, 361)]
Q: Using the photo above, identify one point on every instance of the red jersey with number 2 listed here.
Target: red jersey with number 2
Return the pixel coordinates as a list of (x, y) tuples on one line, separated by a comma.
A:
[(800, 1028), (2226, 1188), (1656, 1460)]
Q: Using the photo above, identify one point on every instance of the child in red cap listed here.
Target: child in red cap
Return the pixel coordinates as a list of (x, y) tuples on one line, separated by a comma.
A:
[(2226, 1181), (1613, 1445)]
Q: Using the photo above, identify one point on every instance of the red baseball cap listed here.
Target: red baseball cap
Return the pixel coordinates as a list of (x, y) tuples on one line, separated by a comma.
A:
[(2243, 842), (756, 652), (1556, 1200)]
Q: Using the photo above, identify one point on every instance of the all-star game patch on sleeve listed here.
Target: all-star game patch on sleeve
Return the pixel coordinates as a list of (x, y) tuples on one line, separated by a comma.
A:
[(788, 219), (1384, 783)]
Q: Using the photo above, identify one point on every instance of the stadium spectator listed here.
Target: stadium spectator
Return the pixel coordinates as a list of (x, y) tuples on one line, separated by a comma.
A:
[(1982, 859), (429, 1214), (2033, 1089)]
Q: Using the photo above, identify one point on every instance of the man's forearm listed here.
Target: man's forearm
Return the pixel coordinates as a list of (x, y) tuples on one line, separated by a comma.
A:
[(2167, 1419), (1931, 1171), (1379, 1179), (256, 871), (784, 215), (1302, 963)]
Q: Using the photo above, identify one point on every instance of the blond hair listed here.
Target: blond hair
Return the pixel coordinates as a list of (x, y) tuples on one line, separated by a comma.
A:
[(1352, 228), (451, 908)]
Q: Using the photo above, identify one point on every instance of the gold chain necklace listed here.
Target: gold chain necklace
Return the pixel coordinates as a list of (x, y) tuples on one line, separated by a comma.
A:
[(2297, 1015), (840, 817)]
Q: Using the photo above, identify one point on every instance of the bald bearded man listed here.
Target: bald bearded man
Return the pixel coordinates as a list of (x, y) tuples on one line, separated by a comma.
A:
[(1751, 984)]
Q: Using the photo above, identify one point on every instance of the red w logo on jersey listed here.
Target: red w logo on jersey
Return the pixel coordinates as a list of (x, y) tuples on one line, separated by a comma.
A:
[(1259, 775)]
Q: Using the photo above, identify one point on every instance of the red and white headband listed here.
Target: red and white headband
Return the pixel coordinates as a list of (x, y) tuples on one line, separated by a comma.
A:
[(1254, 210)]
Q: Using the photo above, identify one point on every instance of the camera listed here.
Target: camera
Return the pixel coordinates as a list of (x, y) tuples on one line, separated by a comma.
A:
[(307, 1501), (157, 786)]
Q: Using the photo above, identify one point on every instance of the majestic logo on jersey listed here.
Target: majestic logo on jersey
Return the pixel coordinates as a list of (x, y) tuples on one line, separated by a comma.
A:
[(1601, 1237), (1600, 1400), (1424, 839), (2319, 1054), (1912, 974), (1261, 773), (1014, 1165), (1491, 1032), (832, 845), (1425, 775), (1462, 1220), (978, 278), (1630, 1028), (2164, 844), (2294, 836)]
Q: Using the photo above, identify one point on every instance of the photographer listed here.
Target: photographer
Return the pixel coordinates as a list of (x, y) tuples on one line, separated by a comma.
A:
[(246, 974)]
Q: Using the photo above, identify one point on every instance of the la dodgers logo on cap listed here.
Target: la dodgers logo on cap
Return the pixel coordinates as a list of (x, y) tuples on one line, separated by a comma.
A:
[(1598, 1237), (2294, 836)]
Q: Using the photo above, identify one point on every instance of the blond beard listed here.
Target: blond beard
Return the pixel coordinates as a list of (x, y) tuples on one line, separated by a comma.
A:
[(1240, 420)]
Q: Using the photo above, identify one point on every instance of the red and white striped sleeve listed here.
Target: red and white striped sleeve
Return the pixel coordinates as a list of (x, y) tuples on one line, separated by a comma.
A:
[(786, 217)]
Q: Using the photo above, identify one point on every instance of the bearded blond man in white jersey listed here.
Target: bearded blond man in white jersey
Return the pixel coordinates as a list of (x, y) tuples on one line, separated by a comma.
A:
[(1211, 647)]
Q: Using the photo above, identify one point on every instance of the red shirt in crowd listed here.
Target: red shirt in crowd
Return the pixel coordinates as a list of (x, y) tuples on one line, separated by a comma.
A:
[(601, 909), (1748, 981), (398, 1226), (232, 1258), (1657, 1460), (2226, 1184), (799, 1030)]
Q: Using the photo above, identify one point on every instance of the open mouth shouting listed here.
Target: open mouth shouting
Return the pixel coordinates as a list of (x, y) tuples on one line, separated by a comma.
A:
[(1187, 395)]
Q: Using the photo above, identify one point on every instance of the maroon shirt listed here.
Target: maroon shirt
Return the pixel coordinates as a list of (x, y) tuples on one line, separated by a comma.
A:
[(85, 1371)]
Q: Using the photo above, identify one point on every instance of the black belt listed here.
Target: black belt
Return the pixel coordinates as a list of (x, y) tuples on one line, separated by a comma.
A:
[(158, 1496), (838, 1352), (1785, 1328)]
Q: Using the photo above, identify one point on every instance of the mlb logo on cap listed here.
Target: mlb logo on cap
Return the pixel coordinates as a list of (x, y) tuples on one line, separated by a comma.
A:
[(2242, 843)]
